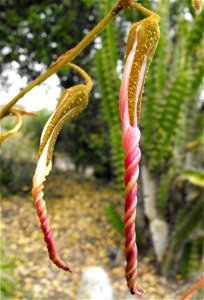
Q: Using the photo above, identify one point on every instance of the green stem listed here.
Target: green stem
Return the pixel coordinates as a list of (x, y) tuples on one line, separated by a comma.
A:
[(69, 55), (86, 77), (144, 10)]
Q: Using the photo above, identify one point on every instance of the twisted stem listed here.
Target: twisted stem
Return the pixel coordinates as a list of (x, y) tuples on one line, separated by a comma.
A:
[(40, 204), (133, 155)]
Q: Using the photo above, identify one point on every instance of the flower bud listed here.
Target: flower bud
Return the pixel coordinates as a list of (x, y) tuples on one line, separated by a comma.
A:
[(141, 45)]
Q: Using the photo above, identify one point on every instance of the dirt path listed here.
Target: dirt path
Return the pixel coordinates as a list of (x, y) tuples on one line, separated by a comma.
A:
[(83, 235)]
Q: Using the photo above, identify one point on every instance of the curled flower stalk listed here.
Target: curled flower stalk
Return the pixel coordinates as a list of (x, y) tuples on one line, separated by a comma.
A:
[(71, 102), (141, 45), (17, 112)]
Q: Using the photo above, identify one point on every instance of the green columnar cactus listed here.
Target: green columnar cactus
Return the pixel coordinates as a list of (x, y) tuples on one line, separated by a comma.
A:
[(109, 83), (171, 118)]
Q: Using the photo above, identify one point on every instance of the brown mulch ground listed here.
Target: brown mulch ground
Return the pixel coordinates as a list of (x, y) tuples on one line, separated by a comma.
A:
[(83, 235)]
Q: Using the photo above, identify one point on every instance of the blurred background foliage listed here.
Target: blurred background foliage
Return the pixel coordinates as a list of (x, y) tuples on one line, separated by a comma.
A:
[(172, 122)]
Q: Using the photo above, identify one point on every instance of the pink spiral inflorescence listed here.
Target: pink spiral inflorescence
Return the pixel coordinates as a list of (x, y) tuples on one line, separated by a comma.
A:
[(130, 139), (141, 45), (40, 204)]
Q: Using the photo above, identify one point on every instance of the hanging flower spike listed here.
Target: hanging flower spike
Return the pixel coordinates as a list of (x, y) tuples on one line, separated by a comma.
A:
[(71, 102), (141, 45), (17, 112)]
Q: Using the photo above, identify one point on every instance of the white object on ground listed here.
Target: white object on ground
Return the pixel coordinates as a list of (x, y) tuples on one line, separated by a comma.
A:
[(95, 284)]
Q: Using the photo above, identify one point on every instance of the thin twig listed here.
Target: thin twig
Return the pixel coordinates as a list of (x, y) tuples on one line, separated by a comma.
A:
[(193, 289), (69, 55)]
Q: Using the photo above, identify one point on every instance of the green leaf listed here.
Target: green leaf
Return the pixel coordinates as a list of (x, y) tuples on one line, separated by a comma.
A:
[(195, 177)]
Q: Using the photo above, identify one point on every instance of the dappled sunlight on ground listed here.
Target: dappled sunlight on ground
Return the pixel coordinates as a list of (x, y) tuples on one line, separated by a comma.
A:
[(83, 236)]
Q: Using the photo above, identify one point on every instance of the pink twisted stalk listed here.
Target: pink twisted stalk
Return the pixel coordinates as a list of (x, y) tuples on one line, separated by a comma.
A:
[(130, 140), (40, 204), (45, 226), (141, 44), (133, 155)]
